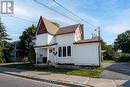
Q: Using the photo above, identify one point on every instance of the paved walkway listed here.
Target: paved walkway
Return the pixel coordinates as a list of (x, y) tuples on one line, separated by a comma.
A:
[(66, 79)]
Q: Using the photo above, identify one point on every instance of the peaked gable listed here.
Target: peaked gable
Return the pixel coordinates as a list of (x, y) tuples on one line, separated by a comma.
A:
[(45, 26), (41, 29)]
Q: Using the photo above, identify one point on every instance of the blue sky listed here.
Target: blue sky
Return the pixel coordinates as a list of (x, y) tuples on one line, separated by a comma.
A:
[(113, 16)]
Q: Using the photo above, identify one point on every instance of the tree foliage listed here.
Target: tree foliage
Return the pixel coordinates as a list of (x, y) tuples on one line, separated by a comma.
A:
[(109, 51), (103, 45), (122, 42), (4, 45), (31, 54), (55, 23), (26, 39)]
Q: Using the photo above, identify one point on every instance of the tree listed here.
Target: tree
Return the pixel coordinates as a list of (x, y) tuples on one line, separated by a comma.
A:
[(26, 39), (109, 51), (122, 42), (55, 23), (4, 45), (103, 45), (31, 54)]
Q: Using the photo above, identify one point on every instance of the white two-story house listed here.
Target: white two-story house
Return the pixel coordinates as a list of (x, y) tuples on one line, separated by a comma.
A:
[(65, 45)]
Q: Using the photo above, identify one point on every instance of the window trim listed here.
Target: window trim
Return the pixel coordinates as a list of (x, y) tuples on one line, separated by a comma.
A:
[(66, 51)]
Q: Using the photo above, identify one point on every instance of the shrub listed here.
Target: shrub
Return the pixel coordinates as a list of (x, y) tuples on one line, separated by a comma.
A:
[(122, 57), (31, 55), (2, 60), (108, 55)]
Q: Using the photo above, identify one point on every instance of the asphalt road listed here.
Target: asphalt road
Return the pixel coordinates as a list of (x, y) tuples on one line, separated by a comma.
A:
[(12, 81), (119, 71)]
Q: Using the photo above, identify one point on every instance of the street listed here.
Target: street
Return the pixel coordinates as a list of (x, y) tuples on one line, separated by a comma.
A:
[(12, 81)]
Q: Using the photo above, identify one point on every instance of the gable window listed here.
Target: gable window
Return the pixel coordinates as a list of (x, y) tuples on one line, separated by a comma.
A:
[(68, 50), (64, 51), (59, 51)]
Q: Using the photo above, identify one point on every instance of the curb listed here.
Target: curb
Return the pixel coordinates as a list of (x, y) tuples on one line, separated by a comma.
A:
[(50, 81)]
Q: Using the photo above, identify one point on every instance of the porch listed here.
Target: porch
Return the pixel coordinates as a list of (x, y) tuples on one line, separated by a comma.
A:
[(45, 54)]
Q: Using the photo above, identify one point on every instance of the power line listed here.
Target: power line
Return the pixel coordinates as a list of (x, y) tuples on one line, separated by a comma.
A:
[(23, 19), (65, 15), (55, 11), (73, 13)]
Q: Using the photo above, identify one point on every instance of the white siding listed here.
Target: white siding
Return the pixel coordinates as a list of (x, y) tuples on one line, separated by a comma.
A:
[(81, 54), (86, 54), (44, 39), (64, 40), (50, 39), (41, 39)]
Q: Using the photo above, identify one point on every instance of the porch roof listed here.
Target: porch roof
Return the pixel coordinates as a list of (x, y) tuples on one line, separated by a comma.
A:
[(45, 45), (93, 40)]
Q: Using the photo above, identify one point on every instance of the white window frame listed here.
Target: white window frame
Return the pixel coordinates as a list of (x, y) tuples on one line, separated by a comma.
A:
[(62, 52)]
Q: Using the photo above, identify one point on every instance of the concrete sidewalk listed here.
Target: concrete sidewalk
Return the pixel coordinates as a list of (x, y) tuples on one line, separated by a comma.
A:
[(68, 80)]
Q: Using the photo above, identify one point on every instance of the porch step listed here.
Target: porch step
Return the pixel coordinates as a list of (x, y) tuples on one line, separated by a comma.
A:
[(53, 64), (41, 65)]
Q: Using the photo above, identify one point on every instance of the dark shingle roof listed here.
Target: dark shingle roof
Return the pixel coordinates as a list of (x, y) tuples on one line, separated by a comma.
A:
[(54, 30), (68, 29)]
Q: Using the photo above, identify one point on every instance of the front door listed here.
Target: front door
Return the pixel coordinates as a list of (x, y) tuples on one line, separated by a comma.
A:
[(44, 55)]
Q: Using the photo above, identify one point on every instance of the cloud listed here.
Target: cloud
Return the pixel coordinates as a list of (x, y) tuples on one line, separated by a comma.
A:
[(23, 12), (121, 24), (32, 11)]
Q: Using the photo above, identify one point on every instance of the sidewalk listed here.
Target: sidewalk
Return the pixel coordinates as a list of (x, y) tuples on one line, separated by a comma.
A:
[(67, 80)]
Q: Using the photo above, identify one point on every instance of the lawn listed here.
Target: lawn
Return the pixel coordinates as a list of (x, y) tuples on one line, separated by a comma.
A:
[(80, 72), (109, 61)]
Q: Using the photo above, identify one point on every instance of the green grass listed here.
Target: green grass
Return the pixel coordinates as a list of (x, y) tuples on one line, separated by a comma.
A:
[(110, 61), (80, 72)]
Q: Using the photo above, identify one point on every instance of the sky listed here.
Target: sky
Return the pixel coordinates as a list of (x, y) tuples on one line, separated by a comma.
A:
[(113, 16)]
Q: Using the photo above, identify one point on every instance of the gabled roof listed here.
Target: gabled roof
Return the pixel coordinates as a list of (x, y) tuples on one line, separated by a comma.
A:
[(68, 29), (44, 26)]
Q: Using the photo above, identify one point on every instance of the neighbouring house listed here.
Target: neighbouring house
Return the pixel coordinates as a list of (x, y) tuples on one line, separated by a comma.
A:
[(65, 45), (15, 52)]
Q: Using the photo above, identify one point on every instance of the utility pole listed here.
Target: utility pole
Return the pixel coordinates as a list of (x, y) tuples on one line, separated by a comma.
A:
[(0, 22), (15, 48), (99, 48)]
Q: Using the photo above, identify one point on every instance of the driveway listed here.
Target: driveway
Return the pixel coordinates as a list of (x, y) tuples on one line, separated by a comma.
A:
[(116, 71)]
